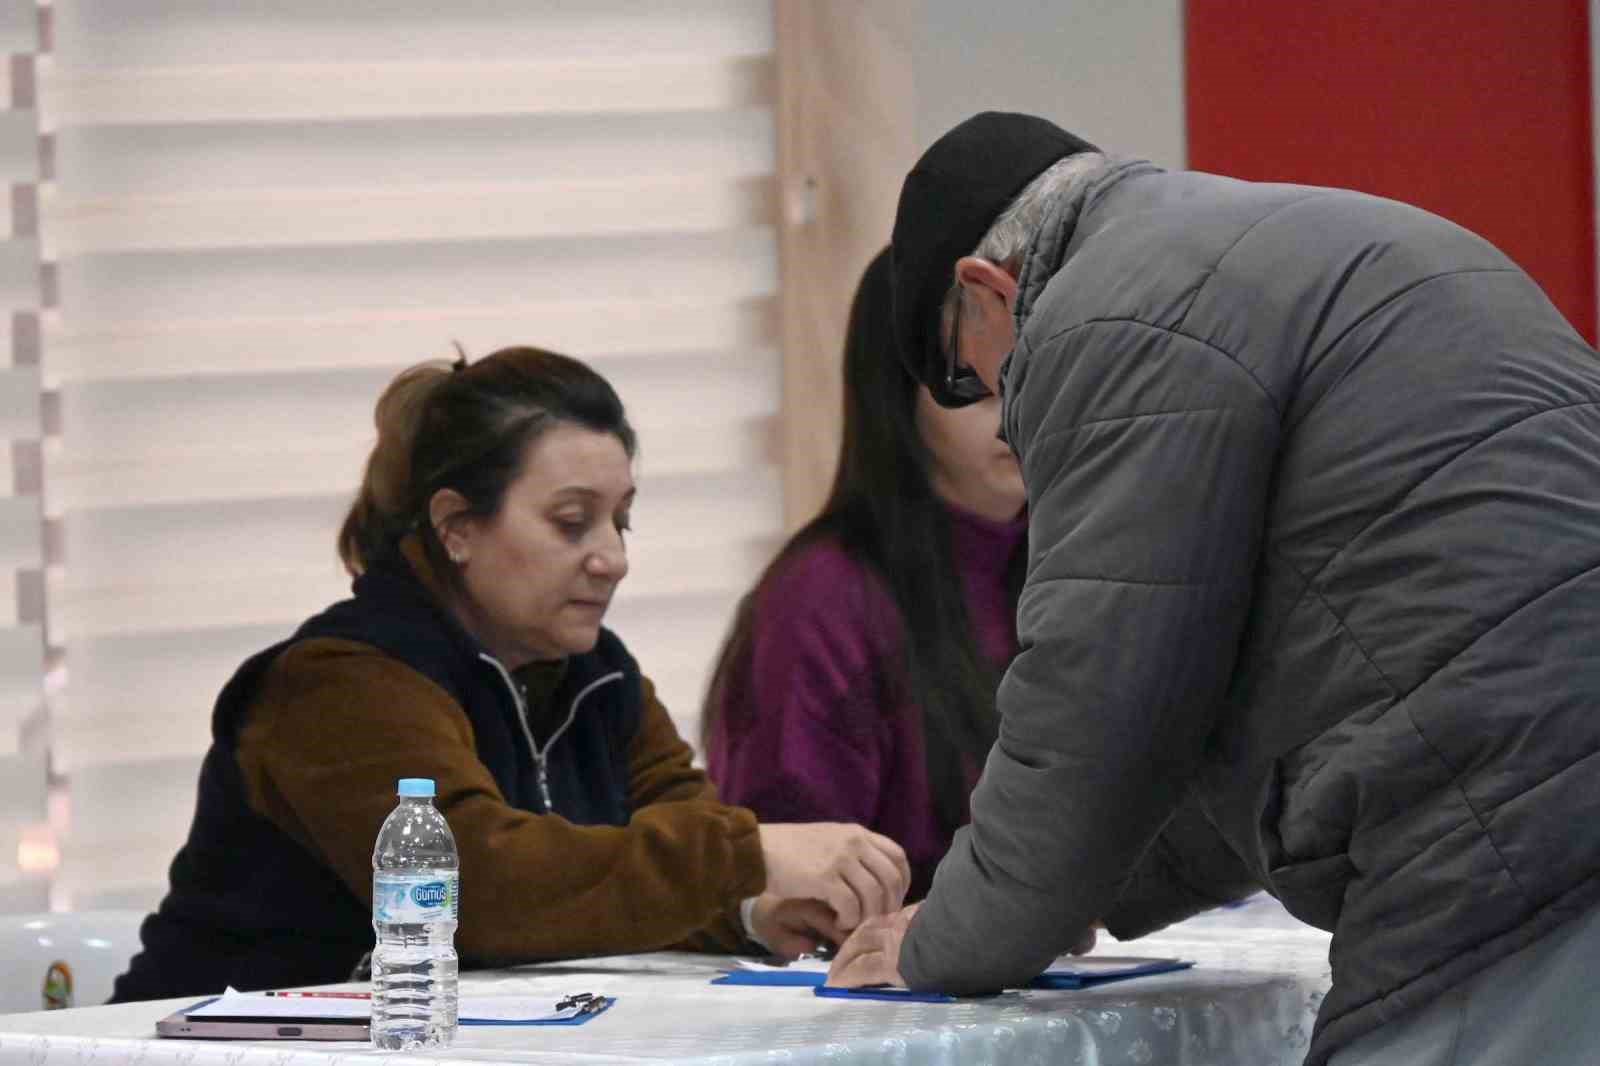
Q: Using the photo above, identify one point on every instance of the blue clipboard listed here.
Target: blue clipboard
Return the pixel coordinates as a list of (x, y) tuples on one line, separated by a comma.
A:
[(903, 995), (772, 978), (1087, 972), (593, 1009), (1090, 972)]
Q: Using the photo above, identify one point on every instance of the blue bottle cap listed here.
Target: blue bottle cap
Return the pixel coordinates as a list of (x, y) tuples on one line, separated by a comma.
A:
[(416, 786)]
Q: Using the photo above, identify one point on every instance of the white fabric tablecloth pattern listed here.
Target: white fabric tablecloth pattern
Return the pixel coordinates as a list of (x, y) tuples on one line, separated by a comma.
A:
[(1250, 1000)]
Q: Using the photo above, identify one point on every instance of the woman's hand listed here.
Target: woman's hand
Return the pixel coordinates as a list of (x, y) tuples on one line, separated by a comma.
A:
[(794, 927), (853, 870)]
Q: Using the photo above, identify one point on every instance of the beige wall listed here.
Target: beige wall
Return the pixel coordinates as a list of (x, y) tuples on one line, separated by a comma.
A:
[(1108, 70)]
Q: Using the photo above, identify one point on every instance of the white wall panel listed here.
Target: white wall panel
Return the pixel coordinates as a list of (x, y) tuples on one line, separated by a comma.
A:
[(148, 695), (132, 442), (347, 90), (165, 33), (21, 694), (598, 327), (23, 886), (19, 147), (117, 162), (19, 535), (19, 403), (24, 758), (177, 567), (19, 274), (303, 218), (127, 820), (144, 287)]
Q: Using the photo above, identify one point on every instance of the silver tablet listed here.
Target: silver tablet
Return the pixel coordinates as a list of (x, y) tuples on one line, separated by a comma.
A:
[(222, 1027)]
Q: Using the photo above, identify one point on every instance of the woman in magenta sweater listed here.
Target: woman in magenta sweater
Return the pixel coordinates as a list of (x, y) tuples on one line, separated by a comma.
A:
[(857, 682)]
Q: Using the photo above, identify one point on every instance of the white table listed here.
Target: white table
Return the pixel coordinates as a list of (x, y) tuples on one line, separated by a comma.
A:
[(1250, 1000)]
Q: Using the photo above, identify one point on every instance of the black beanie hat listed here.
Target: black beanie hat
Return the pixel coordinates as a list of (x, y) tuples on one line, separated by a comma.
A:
[(948, 202)]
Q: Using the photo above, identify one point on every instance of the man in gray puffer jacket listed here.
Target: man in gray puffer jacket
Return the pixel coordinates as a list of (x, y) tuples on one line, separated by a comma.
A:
[(1313, 601)]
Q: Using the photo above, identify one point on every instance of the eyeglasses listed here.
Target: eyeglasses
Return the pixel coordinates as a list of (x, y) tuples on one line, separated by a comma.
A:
[(961, 382)]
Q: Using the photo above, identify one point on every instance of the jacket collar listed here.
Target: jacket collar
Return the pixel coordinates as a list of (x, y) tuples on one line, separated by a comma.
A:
[(403, 581), (1068, 222)]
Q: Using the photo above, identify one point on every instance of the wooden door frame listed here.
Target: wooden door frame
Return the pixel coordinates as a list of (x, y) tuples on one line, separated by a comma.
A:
[(846, 127)]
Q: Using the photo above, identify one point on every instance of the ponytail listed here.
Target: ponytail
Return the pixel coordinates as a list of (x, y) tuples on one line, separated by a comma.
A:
[(383, 506)]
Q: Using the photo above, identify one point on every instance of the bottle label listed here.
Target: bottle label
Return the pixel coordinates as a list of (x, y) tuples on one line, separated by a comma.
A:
[(410, 899)]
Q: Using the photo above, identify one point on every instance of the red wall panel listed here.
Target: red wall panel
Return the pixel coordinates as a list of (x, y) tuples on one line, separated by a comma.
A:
[(1478, 110)]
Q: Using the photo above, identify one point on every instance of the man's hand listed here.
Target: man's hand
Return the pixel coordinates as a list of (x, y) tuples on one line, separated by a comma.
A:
[(872, 954), (853, 870), (794, 927)]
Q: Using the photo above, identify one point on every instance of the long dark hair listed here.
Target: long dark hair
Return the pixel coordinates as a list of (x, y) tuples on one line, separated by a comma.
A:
[(883, 512), (466, 426)]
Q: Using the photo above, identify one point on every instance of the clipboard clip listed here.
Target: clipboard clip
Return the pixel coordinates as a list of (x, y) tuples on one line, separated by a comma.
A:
[(584, 1002)]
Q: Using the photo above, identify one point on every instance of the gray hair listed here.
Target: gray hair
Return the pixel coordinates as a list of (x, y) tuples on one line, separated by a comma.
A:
[(1010, 234)]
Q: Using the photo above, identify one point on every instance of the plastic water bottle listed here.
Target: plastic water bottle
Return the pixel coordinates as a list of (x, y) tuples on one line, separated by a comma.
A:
[(416, 882)]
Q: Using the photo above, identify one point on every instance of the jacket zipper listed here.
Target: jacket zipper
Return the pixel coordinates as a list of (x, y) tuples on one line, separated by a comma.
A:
[(540, 757)]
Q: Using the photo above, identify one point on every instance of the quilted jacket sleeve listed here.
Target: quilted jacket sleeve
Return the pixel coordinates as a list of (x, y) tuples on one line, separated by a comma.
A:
[(1188, 868), (1147, 455)]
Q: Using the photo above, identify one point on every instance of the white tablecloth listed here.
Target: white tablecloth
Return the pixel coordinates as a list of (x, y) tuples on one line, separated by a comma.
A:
[(1250, 1000)]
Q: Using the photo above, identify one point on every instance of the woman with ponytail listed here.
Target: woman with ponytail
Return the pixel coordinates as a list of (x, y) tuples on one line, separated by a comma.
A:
[(486, 542)]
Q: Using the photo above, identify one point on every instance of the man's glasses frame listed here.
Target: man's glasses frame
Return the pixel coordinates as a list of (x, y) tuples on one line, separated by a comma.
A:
[(961, 382)]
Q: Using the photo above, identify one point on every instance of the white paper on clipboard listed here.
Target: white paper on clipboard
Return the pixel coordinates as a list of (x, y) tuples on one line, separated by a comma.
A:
[(233, 1004)]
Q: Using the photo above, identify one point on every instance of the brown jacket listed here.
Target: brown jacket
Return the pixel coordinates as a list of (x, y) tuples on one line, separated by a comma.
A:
[(532, 885)]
